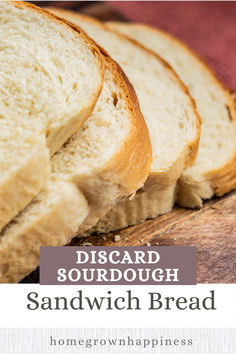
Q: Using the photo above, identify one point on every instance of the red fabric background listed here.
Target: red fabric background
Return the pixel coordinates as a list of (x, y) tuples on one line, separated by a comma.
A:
[(208, 27)]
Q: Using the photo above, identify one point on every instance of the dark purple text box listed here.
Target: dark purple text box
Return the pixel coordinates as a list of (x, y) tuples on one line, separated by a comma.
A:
[(118, 265)]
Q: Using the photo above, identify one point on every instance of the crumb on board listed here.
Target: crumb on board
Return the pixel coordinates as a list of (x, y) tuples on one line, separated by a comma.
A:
[(104, 238), (141, 240), (148, 244), (215, 206), (117, 238), (87, 244), (126, 239)]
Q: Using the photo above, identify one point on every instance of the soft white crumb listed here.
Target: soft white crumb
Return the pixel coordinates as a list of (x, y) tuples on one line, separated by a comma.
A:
[(87, 244), (117, 238), (148, 244), (141, 240)]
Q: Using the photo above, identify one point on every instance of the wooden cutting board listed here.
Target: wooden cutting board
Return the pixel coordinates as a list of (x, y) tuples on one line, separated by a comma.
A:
[(211, 229)]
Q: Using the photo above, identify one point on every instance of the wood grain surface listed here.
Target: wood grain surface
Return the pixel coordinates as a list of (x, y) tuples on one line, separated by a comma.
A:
[(211, 229)]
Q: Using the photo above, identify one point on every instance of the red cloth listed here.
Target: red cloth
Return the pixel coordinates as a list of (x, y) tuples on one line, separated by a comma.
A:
[(207, 27)]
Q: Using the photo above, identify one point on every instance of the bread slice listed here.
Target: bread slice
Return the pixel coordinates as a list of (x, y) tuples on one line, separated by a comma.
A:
[(50, 77), (107, 159), (214, 170), (170, 115)]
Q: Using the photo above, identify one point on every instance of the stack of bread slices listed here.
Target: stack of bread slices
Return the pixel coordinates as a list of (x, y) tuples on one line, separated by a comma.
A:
[(101, 129)]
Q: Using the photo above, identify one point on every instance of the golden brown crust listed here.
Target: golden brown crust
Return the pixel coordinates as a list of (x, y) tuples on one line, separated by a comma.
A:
[(190, 152), (130, 167), (223, 179)]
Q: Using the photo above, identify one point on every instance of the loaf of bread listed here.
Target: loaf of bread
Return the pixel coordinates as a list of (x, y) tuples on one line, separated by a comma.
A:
[(214, 170), (170, 115), (105, 176), (50, 78), (107, 159)]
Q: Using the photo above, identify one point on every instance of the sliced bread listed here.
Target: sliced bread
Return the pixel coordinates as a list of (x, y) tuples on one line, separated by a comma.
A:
[(170, 115), (214, 170), (50, 78), (108, 158)]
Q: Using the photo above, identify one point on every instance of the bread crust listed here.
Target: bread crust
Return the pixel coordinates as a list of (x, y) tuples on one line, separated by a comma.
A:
[(223, 179), (130, 166)]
